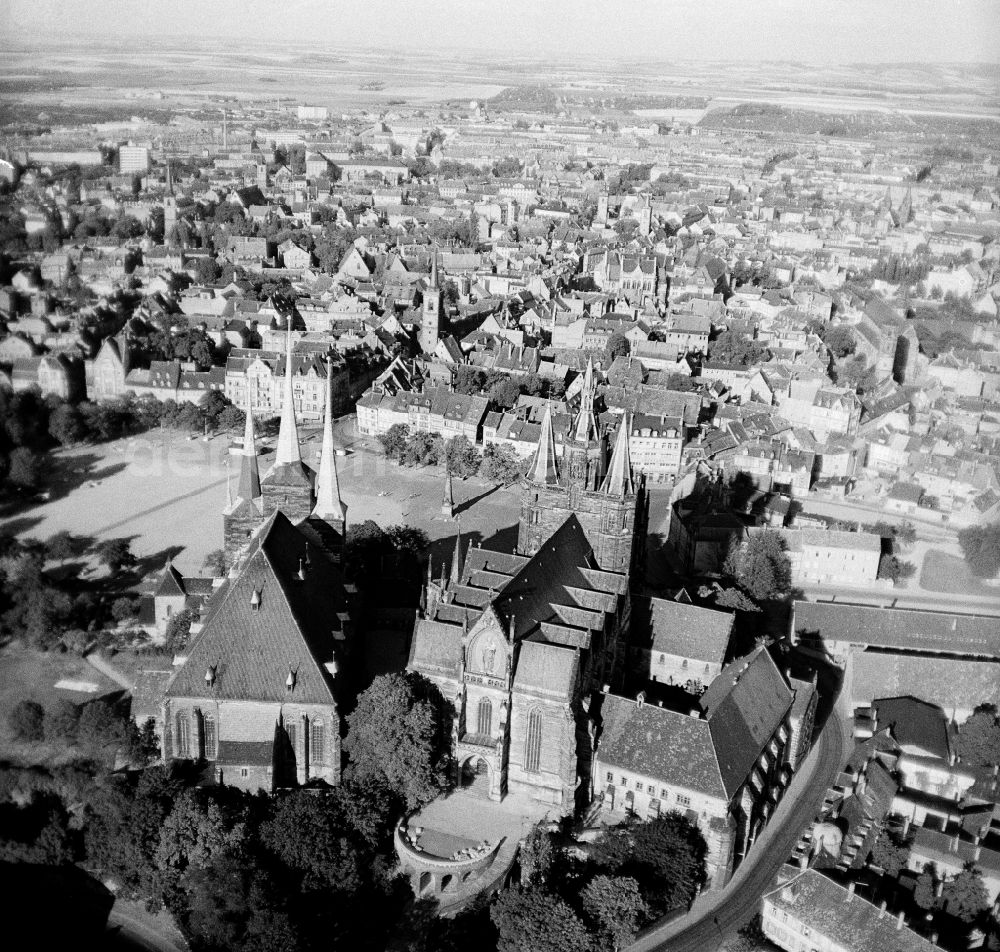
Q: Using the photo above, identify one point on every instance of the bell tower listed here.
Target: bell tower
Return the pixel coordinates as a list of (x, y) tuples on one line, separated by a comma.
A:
[(430, 315)]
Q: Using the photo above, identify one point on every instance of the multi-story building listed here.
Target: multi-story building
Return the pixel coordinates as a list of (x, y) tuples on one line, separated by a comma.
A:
[(133, 159), (830, 557), (808, 912), (723, 765)]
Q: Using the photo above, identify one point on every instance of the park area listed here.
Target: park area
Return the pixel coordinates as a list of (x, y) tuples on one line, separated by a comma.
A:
[(950, 574), (165, 493)]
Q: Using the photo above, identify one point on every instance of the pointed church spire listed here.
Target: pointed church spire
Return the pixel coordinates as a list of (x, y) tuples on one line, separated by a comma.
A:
[(434, 270), (288, 452), (329, 505), (249, 484), (618, 482), (456, 564), (544, 469), (586, 426), (170, 181)]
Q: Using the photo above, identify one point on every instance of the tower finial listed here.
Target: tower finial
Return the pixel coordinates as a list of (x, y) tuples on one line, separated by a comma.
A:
[(329, 504), (544, 468), (456, 565), (249, 485), (618, 482), (586, 426), (288, 452)]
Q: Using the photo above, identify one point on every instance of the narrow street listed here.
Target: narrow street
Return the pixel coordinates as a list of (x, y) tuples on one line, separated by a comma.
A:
[(718, 915)]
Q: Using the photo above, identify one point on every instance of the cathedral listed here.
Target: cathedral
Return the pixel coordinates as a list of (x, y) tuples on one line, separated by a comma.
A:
[(260, 694), (521, 642)]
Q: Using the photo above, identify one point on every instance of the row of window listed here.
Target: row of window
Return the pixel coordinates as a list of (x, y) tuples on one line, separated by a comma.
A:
[(186, 741), (680, 799)]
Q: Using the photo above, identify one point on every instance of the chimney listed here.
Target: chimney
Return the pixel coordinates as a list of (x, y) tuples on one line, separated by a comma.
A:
[(881, 906), (850, 892), (900, 921)]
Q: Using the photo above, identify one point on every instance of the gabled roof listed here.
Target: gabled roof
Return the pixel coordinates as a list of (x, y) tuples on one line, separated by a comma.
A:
[(681, 629), (253, 649)]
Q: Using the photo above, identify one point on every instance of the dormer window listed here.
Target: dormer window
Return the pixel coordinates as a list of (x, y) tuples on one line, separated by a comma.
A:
[(210, 676), (290, 680), (255, 600)]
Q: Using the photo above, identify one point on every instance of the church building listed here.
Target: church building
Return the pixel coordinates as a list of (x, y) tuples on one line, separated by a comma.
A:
[(260, 695), (521, 642)]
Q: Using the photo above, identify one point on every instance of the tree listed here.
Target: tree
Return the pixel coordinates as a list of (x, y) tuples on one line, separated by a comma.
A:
[(981, 548), (615, 907), (422, 449), (504, 393), (101, 725), (215, 563), (116, 554), (26, 721), (618, 346), (533, 920), (238, 905), (63, 545), (25, 469), (178, 631), (500, 464), (196, 831), (124, 608), (66, 424), (398, 733), (840, 341), (892, 567), (62, 721), (731, 347), (666, 856), (965, 896), (925, 890), (890, 852), (461, 457), (979, 738), (207, 270), (394, 440), (734, 598), (760, 566), (536, 857)]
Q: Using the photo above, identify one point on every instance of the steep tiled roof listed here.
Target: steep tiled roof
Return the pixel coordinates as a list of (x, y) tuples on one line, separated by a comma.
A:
[(658, 743), (681, 629), (546, 669), (745, 705), (948, 682), (253, 648)]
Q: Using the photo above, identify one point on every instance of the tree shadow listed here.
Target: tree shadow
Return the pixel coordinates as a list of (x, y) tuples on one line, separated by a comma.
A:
[(443, 550), (67, 475), (17, 527), (469, 503), (155, 561)]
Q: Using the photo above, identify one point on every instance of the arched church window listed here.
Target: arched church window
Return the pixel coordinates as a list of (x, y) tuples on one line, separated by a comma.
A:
[(211, 737), (182, 743), (292, 731), (533, 742), (485, 718), (317, 739)]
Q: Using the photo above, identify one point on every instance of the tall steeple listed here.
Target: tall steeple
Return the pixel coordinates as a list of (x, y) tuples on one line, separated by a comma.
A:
[(329, 505), (434, 271), (288, 452), (618, 482), (249, 484), (585, 429), (430, 318), (544, 468)]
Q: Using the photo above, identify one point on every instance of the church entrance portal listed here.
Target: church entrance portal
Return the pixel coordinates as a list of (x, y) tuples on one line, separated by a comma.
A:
[(476, 777)]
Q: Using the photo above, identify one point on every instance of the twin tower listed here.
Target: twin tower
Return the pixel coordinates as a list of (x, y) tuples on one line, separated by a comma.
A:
[(308, 497)]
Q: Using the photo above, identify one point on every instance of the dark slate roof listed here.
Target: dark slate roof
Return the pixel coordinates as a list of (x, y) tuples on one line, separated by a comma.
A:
[(546, 669), (246, 753), (147, 695), (171, 583), (253, 650), (681, 629), (745, 705), (913, 723), (437, 646), (905, 629), (659, 743)]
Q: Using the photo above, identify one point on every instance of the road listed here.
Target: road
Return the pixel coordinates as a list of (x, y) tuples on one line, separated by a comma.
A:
[(716, 916)]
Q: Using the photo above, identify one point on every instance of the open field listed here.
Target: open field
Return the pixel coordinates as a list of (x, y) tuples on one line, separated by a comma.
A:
[(166, 494), (943, 572)]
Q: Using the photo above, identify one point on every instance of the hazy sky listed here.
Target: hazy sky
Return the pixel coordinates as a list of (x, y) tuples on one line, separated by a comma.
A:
[(805, 30)]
